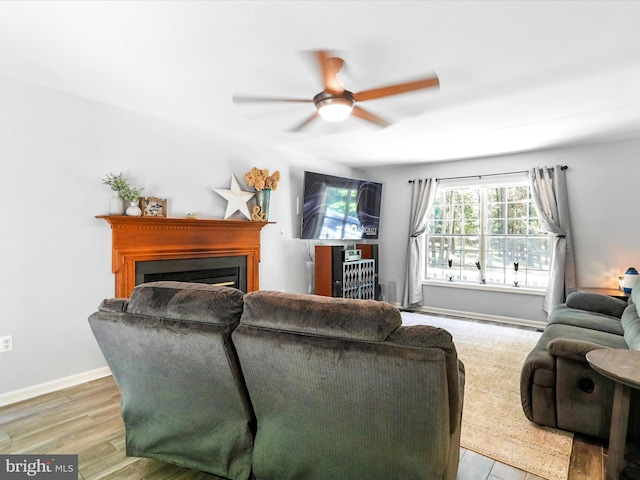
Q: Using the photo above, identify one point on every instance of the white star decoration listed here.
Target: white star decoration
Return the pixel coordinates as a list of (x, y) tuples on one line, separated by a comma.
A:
[(236, 198)]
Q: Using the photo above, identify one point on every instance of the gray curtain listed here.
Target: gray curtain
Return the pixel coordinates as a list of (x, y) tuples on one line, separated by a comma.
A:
[(422, 194), (549, 191)]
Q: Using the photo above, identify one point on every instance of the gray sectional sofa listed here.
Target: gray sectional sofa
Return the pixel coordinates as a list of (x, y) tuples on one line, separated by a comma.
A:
[(558, 387), (276, 386)]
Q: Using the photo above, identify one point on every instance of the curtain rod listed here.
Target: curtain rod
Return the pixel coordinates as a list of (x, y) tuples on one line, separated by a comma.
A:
[(563, 167)]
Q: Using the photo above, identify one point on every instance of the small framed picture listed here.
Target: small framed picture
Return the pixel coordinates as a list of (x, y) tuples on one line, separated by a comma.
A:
[(153, 207)]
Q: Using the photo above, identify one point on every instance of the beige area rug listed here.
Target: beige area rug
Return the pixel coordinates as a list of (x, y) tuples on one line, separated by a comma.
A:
[(493, 423)]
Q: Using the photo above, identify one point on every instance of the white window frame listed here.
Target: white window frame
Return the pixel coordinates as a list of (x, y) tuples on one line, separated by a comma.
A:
[(516, 179)]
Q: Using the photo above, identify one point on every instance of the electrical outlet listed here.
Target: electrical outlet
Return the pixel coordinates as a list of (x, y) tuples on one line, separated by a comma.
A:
[(6, 344)]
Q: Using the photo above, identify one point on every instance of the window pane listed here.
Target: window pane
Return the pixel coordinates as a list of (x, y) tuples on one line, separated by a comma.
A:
[(494, 260), (517, 245), (535, 228), (519, 193), (470, 252), (470, 227), (497, 210), (517, 226), (496, 244), (494, 254), (496, 194), (517, 210), (496, 227), (539, 257)]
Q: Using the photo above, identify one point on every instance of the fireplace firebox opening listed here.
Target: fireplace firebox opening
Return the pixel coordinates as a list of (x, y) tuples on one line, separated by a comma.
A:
[(225, 271)]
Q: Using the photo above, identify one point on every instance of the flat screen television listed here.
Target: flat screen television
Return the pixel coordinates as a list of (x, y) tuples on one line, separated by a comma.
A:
[(339, 208)]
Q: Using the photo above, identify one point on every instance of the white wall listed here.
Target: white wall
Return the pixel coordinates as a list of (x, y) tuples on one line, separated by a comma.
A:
[(602, 184), (56, 256)]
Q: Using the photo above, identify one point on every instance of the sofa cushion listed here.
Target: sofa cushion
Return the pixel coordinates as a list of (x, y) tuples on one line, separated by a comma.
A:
[(587, 335), (634, 297), (565, 315), (631, 324), (597, 303), (366, 320), (187, 301)]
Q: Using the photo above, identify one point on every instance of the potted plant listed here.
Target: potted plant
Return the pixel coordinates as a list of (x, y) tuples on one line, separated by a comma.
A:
[(263, 184), (132, 194), (118, 184)]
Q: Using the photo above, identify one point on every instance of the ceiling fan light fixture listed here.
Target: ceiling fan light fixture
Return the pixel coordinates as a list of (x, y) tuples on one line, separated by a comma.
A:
[(335, 109), (335, 103)]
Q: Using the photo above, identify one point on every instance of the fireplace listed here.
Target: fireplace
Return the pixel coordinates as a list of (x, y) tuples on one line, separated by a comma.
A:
[(223, 271), (211, 251)]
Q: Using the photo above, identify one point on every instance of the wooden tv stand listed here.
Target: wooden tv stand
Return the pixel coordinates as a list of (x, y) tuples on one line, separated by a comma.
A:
[(353, 279)]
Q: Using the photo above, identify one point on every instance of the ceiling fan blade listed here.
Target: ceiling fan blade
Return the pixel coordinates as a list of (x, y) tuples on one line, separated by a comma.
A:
[(396, 89), (254, 99), (303, 124), (368, 116), (329, 67)]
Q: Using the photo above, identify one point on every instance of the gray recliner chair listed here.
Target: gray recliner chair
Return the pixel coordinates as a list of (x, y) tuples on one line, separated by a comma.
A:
[(183, 396), (341, 390), (558, 387)]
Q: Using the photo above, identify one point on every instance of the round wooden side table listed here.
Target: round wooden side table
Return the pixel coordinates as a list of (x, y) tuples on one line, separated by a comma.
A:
[(623, 367)]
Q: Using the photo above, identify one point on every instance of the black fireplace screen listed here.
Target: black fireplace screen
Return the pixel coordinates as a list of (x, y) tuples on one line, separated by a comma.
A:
[(225, 271)]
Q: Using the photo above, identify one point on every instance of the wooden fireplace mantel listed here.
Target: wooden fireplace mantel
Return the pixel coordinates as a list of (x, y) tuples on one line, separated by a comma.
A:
[(138, 239)]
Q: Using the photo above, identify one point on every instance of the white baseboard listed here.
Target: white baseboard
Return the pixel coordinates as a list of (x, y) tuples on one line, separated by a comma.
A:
[(482, 316), (52, 386)]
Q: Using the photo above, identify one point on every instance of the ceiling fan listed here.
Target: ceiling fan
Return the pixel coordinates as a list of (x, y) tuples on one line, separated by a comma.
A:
[(335, 103)]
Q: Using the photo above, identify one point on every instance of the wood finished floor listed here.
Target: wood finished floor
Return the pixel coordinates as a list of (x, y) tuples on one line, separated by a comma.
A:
[(85, 420)]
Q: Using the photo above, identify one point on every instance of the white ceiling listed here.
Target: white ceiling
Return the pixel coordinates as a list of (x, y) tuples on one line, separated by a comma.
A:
[(514, 75)]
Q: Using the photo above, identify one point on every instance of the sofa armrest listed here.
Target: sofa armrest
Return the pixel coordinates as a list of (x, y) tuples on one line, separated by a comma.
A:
[(570, 349), (117, 305), (593, 302)]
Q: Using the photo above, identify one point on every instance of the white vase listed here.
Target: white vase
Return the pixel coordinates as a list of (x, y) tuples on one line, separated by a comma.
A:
[(133, 210), (116, 206)]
